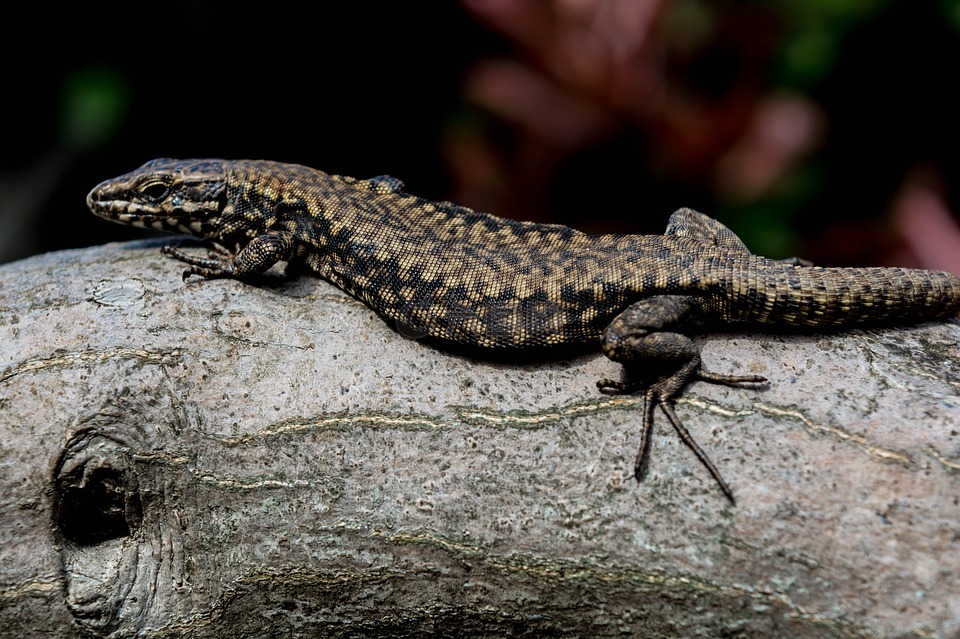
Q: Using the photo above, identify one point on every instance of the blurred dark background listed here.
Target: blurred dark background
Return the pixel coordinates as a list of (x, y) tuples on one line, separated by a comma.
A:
[(820, 128)]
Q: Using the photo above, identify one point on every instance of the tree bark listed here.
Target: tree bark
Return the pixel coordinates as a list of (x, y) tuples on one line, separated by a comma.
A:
[(219, 459)]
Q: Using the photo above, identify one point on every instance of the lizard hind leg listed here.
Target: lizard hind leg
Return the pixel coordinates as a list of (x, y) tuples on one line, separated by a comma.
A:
[(660, 361), (693, 224)]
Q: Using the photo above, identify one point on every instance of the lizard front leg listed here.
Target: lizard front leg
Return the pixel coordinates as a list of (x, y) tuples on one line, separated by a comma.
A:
[(255, 258), (661, 361)]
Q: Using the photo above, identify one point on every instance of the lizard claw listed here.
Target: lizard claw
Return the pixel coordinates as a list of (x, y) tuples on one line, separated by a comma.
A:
[(666, 405)]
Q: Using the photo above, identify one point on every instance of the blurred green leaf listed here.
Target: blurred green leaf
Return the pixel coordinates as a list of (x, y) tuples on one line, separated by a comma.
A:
[(951, 11), (807, 56), (837, 12), (815, 30), (94, 103)]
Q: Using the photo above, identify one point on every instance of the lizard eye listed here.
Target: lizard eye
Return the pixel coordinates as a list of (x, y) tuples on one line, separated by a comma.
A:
[(155, 191)]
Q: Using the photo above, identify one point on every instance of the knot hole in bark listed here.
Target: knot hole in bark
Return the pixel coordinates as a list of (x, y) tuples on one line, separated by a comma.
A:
[(96, 495)]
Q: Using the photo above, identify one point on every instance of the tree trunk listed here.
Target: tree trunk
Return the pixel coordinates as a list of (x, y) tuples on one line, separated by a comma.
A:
[(217, 459)]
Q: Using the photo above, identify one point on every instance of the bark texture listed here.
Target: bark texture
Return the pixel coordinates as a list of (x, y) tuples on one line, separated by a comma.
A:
[(217, 459)]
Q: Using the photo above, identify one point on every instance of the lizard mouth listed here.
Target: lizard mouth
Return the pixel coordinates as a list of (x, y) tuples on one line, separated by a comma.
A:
[(124, 210), (134, 213), (143, 215)]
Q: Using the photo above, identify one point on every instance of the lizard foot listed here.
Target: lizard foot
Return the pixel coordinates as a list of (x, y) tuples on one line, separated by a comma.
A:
[(663, 393), (217, 264), (659, 360)]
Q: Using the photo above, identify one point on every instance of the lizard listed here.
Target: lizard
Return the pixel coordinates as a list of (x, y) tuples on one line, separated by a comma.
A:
[(490, 285)]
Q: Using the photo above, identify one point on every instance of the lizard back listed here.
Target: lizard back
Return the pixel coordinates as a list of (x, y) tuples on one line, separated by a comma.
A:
[(458, 275)]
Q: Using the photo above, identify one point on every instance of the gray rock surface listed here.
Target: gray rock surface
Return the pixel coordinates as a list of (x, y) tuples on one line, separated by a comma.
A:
[(218, 459)]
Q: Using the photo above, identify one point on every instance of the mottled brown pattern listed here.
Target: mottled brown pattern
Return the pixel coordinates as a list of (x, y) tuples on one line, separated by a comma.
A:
[(471, 279)]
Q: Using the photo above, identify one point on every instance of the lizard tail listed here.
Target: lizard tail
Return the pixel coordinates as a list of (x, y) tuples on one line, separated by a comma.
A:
[(823, 298)]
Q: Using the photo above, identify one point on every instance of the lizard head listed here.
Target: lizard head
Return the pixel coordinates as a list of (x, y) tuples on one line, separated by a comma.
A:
[(186, 196)]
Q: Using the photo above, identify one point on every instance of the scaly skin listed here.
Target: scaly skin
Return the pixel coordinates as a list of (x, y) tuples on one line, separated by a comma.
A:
[(474, 281)]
